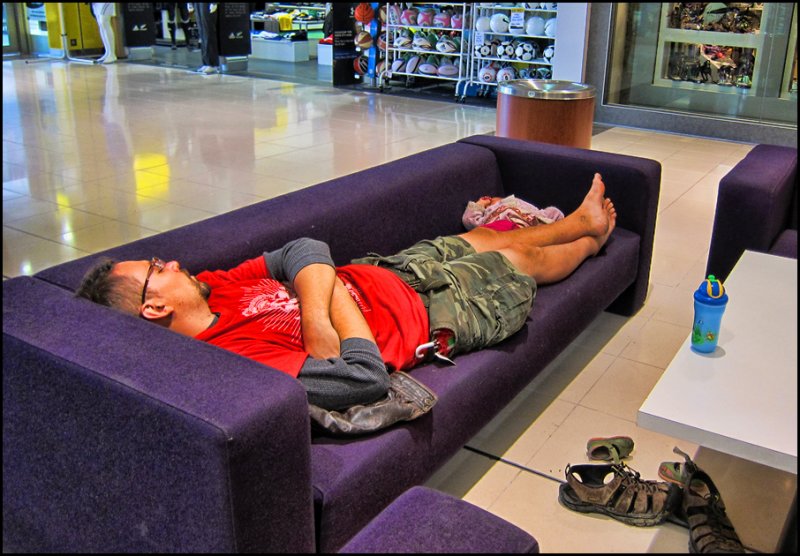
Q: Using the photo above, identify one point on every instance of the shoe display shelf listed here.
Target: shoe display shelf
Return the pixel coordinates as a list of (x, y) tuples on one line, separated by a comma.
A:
[(711, 47), (511, 42), (425, 45)]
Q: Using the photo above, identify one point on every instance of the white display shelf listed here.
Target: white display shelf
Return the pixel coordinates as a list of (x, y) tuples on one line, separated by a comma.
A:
[(392, 53)]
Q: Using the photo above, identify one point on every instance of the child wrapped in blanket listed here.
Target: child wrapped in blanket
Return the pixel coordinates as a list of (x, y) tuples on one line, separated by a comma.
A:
[(507, 213)]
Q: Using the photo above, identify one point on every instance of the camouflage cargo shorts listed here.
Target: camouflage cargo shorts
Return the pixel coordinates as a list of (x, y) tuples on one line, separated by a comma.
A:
[(480, 297)]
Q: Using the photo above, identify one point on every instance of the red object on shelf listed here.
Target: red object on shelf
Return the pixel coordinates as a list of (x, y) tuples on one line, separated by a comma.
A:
[(364, 13)]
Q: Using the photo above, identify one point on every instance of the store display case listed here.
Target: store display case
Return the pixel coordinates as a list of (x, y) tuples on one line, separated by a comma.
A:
[(731, 61), (711, 45)]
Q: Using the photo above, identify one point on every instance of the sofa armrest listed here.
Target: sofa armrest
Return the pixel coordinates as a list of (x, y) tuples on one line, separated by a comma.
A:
[(123, 436), (757, 200), (560, 176)]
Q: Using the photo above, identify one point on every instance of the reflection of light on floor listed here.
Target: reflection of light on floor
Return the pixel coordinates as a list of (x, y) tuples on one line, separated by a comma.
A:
[(65, 210), (146, 180)]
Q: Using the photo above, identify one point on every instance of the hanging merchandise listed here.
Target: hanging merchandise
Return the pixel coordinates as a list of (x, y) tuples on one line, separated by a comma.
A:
[(285, 22)]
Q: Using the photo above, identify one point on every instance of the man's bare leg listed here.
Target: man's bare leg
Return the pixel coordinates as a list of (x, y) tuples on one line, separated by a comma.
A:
[(589, 219), (551, 263)]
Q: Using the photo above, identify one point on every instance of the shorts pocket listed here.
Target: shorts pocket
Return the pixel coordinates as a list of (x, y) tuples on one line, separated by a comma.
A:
[(512, 298)]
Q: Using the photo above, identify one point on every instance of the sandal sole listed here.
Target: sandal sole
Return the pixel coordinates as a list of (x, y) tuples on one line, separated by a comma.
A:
[(567, 497)]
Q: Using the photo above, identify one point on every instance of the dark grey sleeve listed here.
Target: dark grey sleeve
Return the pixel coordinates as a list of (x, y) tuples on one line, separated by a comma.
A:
[(359, 376), (283, 264)]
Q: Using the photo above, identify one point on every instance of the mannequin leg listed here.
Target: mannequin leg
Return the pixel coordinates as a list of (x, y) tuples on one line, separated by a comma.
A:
[(107, 36)]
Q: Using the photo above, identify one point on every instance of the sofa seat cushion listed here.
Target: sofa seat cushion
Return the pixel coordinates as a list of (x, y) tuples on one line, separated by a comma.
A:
[(785, 245), (423, 520), (470, 394)]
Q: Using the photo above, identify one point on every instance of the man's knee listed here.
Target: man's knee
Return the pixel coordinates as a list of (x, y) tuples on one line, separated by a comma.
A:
[(525, 258)]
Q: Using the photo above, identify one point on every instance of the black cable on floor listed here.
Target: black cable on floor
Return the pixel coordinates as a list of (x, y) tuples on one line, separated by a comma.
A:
[(528, 469)]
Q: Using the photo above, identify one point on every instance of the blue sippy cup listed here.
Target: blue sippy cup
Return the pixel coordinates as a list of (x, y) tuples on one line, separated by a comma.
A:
[(710, 300)]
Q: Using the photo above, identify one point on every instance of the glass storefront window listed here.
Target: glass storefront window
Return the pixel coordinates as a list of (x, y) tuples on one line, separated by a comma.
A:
[(725, 60)]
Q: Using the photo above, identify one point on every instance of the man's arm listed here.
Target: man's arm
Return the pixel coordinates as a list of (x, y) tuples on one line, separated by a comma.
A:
[(307, 264), (314, 286), (345, 367)]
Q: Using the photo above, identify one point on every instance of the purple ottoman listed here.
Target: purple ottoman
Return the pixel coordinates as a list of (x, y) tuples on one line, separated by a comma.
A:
[(425, 520)]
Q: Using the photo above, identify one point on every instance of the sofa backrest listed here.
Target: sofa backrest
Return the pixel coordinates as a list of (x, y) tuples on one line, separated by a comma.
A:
[(756, 204), (363, 212)]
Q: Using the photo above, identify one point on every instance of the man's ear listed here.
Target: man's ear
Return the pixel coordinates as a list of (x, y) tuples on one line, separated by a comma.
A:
[(155, 311)]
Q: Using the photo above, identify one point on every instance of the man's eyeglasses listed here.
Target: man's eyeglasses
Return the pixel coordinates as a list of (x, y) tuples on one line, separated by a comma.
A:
[(155, 262)]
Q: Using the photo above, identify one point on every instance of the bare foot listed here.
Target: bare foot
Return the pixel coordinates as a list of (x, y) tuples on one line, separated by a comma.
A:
[(592, 211), (611, 212)]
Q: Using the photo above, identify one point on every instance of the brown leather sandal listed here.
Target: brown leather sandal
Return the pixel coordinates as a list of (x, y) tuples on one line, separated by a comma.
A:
[(626, 497), (710, 530)]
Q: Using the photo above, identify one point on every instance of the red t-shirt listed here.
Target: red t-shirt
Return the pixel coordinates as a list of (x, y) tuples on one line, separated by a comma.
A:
[(259, 317)]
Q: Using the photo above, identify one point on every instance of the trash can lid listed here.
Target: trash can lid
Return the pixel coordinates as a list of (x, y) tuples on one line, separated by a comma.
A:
[(551, 89)]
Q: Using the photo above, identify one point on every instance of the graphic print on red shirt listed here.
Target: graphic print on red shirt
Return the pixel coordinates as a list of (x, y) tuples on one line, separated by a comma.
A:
[(259, 317)]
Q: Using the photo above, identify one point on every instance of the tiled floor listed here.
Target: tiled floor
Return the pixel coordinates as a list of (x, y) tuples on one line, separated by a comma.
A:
[(95, 156)]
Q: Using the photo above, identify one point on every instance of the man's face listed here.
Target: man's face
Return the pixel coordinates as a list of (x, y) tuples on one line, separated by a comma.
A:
[(168, 282)]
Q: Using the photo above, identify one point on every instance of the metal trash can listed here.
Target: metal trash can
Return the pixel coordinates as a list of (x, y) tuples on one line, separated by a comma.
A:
[(546, 110)]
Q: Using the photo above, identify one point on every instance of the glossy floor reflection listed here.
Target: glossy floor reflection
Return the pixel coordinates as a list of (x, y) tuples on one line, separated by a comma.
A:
[(96, 156)]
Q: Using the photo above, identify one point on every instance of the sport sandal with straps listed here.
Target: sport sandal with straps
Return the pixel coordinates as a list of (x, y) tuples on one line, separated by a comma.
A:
[(710, 530), (613, 448), (626, 497)]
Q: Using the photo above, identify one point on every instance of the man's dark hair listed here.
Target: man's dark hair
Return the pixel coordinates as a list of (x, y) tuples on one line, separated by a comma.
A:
[(102, 286)]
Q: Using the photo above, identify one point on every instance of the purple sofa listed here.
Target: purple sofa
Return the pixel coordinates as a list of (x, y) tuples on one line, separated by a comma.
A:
[(756, 209), (119, 435)]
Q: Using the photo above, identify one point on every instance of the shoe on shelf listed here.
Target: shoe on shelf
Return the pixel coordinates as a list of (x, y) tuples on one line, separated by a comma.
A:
[(109, 60), (613, 448), (625, 497), (710, 529)]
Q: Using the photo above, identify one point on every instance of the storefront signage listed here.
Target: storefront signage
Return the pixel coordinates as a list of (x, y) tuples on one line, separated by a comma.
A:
[(234, 29), (140, 25)]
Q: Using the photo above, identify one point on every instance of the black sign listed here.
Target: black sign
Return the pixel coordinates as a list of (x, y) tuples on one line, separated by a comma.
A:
[(140, 24), (234, 28), (344, 43)]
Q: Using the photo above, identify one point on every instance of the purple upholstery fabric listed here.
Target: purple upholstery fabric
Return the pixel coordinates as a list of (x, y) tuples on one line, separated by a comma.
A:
[(121, 436), (756, 203), (196, 448), (785, 245), (345, 472), (561, 176), (423, 520)]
